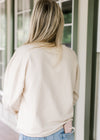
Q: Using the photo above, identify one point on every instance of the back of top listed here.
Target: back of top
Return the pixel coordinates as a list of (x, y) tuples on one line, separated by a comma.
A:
[(50, 90)]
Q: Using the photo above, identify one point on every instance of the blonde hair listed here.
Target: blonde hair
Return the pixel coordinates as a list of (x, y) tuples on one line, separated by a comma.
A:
[(47, 24)]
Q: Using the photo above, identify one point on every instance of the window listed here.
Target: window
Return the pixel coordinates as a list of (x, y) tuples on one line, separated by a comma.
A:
[(23, 10), (2, 40), (66, 6)]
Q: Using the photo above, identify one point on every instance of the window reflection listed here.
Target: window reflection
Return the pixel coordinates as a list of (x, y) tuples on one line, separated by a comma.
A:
[(20, 30), (19, 5), (27, 17), (67, 11), (67, 36), (23, 29), (27, 4), (23, 20), (24, 5)]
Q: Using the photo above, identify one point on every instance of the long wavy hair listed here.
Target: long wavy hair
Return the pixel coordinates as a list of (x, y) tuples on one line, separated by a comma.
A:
[(47, 24)]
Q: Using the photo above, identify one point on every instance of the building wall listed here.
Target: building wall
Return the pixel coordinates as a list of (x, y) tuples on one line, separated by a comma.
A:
[(97, 105), (9, 119)]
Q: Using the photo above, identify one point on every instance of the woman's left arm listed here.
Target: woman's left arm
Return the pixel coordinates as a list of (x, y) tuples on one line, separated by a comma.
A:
[(13, 84)]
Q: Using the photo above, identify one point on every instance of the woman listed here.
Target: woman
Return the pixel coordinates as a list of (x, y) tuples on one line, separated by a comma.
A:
[(41, 82)]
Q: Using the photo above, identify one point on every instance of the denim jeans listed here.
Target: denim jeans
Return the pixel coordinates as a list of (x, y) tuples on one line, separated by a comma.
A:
[(59, 135)]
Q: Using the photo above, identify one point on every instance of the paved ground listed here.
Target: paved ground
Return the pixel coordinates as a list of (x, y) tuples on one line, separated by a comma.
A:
[(7, 133)]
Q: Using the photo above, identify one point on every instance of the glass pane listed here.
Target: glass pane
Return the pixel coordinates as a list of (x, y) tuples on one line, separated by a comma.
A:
[(1, 56), (27, 17), (67, 36), (20, 5), (20, 30), (23, 29), (27, 4), (67, 11), (0, 83), (2, 26), (0, 70)]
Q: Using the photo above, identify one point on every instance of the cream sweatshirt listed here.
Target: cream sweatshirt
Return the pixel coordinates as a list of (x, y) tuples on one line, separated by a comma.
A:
[(40, 93)]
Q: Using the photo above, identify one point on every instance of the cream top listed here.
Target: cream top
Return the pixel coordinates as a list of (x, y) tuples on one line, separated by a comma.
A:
[(40, 93)]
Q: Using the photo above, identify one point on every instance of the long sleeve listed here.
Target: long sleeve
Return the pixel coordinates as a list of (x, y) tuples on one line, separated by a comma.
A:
[(77, 84), (13, 84)]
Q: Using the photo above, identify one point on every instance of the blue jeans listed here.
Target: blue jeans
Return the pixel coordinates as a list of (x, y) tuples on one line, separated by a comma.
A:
[(59, 135)]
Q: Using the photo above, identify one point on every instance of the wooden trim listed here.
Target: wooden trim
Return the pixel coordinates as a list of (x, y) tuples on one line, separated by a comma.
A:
[(74, 33), (10, 29), (5, 60), (75, 25), (90, 69)]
